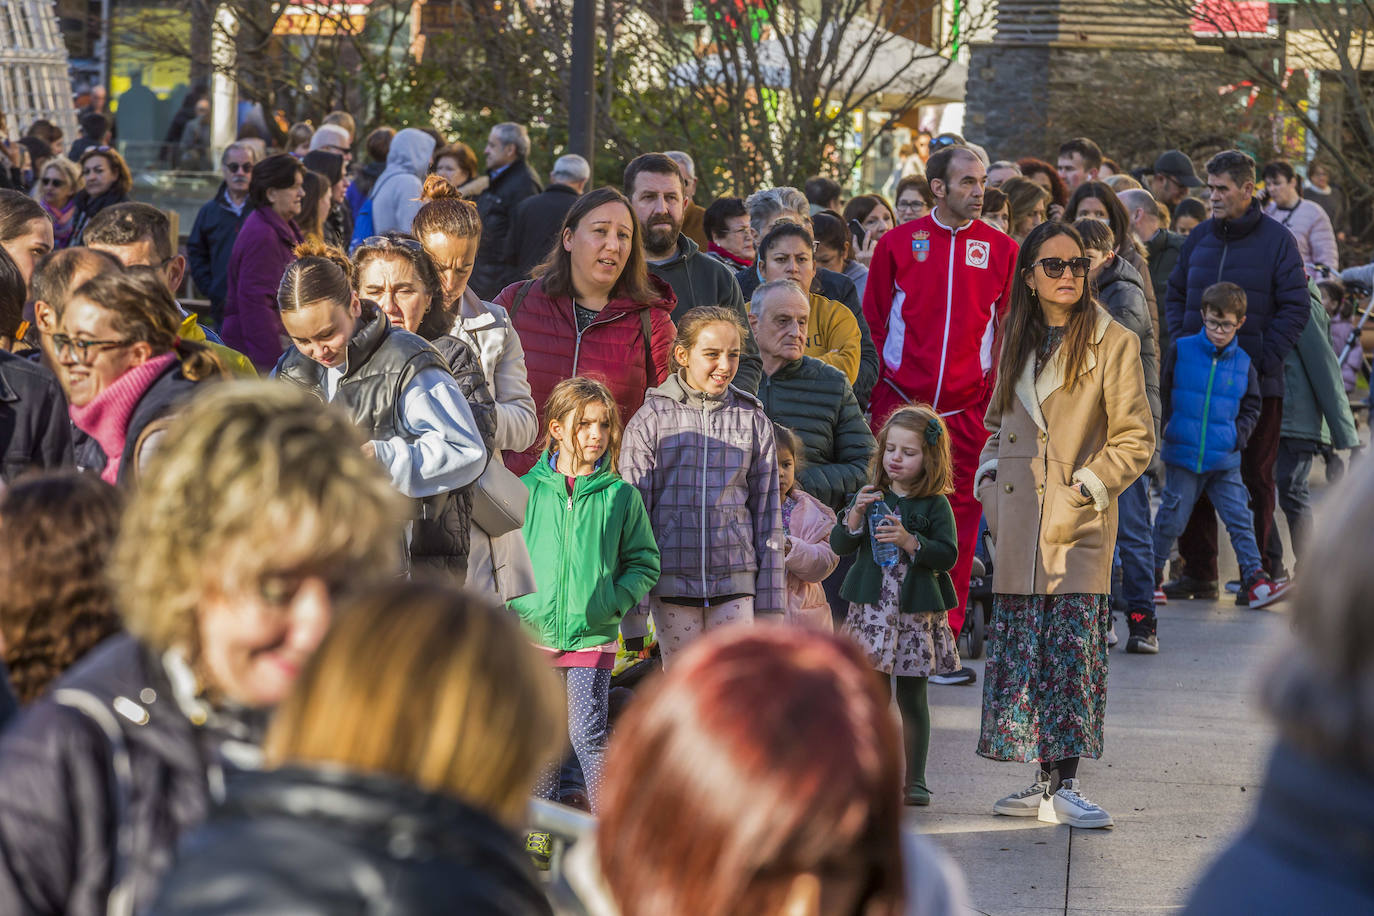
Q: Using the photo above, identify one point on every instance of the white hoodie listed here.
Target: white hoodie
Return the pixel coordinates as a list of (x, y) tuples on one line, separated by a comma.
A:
[(396, 195)]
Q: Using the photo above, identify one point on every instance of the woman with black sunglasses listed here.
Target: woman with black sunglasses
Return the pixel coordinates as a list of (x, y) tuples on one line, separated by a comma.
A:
[(1071, 430)]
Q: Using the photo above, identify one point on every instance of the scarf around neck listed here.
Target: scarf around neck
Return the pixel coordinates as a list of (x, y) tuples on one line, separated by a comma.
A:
[(713, 248), (106, 418)]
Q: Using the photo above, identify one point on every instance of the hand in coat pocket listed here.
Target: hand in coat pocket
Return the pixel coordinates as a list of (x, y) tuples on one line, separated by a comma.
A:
[(1070, 517)]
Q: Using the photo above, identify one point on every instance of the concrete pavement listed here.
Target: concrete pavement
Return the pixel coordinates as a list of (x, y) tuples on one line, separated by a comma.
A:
[(1185, 750)]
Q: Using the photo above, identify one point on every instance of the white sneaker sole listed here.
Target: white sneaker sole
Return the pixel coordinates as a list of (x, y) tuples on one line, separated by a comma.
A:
[(1049, 815), (1015, 810), (1268, 600)]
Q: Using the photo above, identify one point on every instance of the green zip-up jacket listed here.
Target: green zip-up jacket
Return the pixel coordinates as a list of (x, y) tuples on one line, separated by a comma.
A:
[(593, 552), (927, 588)]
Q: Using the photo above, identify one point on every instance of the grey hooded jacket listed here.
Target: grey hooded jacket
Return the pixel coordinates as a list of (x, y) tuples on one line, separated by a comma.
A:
[(707, 469), (396, 194)]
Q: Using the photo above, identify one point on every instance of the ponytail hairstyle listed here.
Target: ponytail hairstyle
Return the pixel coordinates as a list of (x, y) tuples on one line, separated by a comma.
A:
[(568, 401), (445, 211), (144, 311), (937, 469), (320, 273), (691, 325)]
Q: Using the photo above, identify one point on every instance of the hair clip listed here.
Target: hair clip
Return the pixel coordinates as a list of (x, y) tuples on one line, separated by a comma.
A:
[(932, 430)]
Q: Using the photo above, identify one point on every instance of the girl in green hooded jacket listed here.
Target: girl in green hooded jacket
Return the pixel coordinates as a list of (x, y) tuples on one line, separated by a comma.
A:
[(594, 557)]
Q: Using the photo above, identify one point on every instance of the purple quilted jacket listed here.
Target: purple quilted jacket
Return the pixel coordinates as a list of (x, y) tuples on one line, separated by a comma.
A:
[(708, 471)]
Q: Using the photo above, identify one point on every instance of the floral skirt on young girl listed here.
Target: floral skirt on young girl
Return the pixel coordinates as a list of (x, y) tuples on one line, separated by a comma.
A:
[(907, 645)]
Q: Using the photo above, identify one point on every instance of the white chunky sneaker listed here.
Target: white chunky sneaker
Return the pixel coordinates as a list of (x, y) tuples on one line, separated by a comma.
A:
[(1025, 803), (1070, 806)]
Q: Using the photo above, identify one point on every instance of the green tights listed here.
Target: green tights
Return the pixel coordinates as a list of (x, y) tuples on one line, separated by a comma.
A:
[(915, 711)]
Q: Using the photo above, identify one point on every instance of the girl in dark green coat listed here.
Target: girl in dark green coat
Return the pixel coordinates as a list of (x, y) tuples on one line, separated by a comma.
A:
[(898, 614), (594, 558)]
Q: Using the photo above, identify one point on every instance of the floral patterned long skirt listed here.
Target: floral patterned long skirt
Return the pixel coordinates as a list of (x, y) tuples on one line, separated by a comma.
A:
[(907, 645), (1045, 685)]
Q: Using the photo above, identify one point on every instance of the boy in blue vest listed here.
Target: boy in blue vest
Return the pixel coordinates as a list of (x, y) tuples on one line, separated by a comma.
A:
[(1211, 398)]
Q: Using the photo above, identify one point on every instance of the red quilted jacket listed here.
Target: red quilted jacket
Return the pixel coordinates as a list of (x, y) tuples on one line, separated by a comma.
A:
[(610, 350)]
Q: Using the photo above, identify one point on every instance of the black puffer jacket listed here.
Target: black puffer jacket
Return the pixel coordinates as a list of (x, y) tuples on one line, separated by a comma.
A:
[(496, 206), (1121, 290), (441, 536), (107, 755), (34, 429), (324, 841), (815, 401)]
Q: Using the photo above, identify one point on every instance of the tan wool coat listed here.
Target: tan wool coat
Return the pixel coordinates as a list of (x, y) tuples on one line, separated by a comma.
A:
[(1049, 539)]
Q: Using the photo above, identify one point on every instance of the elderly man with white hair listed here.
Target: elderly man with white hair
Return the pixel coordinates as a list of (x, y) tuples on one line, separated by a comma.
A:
[(535, 227)]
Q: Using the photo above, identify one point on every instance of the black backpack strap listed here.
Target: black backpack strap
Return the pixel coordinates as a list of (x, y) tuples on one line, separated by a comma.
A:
[(519, 299), (646, 331)]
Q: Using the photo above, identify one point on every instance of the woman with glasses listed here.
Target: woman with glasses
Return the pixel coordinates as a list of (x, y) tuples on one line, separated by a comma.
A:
[(259, 512), (450, 230), (106, 181), (394, 272), (913, 199), (56, 194), (126, 365), (264, 248), (1071, 430), (392, 383)]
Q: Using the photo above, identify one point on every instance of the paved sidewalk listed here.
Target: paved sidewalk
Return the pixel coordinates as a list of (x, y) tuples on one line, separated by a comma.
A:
[(1185, 751)]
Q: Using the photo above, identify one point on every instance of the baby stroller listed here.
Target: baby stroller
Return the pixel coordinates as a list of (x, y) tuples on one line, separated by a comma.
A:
[(978, 616)]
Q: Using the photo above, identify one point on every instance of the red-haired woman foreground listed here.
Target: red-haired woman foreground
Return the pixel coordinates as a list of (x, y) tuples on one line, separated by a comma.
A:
[(762, 775)]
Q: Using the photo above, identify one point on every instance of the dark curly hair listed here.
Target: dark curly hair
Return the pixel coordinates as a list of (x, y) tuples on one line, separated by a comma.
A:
[(56, 532)]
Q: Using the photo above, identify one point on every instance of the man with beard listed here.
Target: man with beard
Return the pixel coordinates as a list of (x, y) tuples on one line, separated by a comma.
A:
[(656, 189)]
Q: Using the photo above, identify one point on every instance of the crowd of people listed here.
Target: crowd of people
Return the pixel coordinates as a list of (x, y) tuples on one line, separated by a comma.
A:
[(312, 641)]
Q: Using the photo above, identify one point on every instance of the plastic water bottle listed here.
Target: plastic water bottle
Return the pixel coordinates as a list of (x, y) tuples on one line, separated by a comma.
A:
[(884, 555)]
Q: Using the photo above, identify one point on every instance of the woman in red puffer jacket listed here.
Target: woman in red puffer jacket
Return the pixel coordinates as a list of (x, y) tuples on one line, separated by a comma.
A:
[(594, 310)]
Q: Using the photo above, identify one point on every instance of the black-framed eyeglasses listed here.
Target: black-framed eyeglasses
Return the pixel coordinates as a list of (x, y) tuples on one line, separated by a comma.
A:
[(1224, 327), (1054, 267), (83, 348), (239, 166), (346, 153)]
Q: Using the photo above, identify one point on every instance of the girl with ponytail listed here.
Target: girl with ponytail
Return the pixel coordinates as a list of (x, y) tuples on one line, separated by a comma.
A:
[(450, 229), (126, 366), (395, 386)]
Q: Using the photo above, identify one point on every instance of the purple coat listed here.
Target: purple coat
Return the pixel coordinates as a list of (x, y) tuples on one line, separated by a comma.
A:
[(264, 249)]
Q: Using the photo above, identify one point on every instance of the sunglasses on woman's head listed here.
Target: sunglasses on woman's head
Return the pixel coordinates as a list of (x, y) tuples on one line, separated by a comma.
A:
[(1054, 267)]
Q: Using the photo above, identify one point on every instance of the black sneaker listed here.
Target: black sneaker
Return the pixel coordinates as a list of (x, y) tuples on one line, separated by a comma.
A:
[(962, 677), (1142, 640), (1186, 588)]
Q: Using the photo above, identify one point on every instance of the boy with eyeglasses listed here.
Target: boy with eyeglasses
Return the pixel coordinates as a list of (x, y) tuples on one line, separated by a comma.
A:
[(1211, 399)]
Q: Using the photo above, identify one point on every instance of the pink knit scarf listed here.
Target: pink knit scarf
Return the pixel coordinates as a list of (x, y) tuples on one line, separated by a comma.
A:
[(106, 418)]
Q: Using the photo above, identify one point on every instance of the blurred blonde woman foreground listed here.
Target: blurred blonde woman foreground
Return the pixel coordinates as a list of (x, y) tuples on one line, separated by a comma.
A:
[(397, 773), (258, 510)]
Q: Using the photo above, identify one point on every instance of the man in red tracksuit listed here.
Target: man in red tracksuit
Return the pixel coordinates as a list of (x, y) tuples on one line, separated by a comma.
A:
[(937, 288)]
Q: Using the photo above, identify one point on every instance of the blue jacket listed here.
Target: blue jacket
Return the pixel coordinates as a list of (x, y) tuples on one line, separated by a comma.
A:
[(1258, 254), (1213, 404), (208, 248)]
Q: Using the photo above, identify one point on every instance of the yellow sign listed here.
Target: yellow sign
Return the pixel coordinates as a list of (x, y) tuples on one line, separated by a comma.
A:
[(313, 24)]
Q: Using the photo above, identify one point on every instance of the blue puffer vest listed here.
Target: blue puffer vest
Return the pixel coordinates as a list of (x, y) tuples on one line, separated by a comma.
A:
[(1207, 390)]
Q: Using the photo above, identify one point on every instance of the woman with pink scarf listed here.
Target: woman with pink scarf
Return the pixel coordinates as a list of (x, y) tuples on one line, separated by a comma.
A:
[(125, 365)]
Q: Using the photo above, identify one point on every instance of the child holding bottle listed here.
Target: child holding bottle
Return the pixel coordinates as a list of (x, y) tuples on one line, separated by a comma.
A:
[(594, 559), (899, 589)]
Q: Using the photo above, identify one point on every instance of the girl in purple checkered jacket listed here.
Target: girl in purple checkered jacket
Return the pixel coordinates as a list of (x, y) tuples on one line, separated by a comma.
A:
[(702, 454)]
